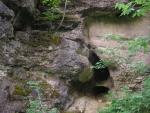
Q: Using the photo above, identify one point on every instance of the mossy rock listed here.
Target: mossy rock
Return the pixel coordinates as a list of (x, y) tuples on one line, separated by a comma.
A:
[(86, 75), (48, 88)]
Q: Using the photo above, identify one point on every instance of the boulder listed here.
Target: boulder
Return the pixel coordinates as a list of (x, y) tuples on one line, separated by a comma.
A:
[(71, 60)]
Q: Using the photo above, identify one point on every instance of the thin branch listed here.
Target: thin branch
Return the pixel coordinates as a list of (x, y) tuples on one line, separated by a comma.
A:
[(64, 13)]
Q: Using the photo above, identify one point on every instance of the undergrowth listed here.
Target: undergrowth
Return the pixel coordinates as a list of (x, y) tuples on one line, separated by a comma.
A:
[(132, 102)]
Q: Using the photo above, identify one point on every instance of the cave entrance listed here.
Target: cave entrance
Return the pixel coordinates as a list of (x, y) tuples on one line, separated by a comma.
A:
[(102, 81)]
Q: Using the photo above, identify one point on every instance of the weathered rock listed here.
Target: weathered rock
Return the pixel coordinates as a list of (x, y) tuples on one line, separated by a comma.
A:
[(87, 6), (6, 29), (24, 10), (59, 95), (86, 105), (5, 12), (6, 15), (6, 104), (69, 63)]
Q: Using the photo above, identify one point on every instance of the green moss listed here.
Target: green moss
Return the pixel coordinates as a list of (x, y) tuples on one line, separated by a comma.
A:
[(19, 90), (54, 93), (55, 39), (86, 75), (44, 85)]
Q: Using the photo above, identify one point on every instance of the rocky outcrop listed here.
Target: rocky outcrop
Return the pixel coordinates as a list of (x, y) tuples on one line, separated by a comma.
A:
[(24, 11), (36, 55), (6, 16)]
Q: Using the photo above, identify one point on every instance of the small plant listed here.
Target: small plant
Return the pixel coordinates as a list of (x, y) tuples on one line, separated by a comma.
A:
[(99, 65), (114, 37), (135, 8), (53, 12), (105, 63), (51, 3)]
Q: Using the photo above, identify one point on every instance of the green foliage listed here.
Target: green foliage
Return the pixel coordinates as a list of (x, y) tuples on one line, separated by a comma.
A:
[(125, 9), (135, 8), (114, 37), (138, 44), (105, 63), (52, 12), (99, 65), (138, 102), (51, 3), (35, 105)]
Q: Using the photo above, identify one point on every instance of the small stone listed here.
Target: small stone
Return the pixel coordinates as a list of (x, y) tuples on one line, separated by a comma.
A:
[(50, 48)]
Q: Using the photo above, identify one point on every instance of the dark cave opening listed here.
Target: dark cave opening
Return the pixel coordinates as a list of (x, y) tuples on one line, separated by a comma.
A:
[(100, 83), (99, 74), (100, 90)]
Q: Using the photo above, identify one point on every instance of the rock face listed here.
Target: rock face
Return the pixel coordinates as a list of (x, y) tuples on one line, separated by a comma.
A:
[(29, 5), (72, 58), (5, 11), (86, 6), (6, 104), (6, 15), (24, 11), (36, 55)]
